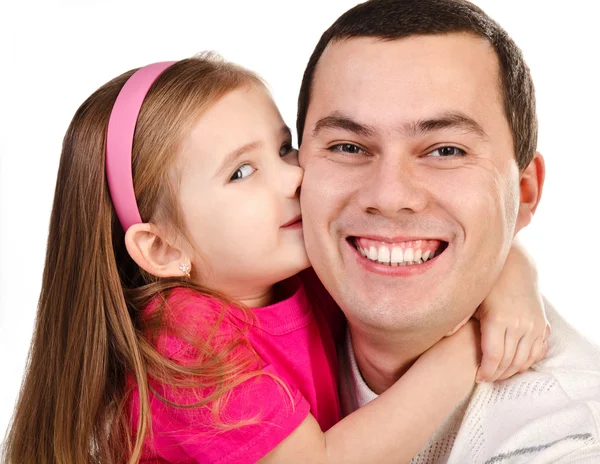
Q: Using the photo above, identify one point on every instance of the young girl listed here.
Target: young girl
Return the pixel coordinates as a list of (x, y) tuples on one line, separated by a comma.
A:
[(172, 325)]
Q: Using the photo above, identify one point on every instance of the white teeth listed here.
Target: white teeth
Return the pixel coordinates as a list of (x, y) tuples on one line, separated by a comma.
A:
[(384, 255), (396, 255), (418, 254), (372, 254)]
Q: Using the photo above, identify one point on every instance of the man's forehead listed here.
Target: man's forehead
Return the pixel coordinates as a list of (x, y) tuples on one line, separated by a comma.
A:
[(451, 71), (349, 57)]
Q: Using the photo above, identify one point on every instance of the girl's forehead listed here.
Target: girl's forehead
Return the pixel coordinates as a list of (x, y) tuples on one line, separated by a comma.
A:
[(242, 120)]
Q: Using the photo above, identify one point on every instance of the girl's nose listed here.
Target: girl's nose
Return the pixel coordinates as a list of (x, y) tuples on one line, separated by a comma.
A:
[(291, 178)]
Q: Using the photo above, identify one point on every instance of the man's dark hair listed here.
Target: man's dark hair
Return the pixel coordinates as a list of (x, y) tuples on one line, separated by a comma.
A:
[(397, 19)]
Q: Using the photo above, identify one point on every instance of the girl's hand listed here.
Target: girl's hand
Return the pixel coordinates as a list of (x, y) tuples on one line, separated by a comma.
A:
[(461, 347), (513, 322)]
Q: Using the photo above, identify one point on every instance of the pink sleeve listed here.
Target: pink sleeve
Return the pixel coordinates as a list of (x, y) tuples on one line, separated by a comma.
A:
[(270, 410), (190, 435)]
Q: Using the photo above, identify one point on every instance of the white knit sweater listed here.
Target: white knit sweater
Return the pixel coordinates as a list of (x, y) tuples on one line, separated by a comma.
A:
[(549, 414)]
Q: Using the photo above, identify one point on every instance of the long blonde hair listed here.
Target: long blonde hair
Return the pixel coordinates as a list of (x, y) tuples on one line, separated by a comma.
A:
[(89, 335)]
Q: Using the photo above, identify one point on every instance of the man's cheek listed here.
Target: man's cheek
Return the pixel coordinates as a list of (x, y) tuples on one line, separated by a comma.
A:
[(469, 195), (302, 158), (333, 182), (315, 184)]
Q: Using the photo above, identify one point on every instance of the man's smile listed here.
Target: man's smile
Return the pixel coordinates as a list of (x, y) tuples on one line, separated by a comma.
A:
[(397, 257), (399, 252)]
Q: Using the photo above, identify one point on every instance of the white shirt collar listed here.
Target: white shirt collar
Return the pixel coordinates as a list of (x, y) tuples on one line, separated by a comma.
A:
[(362, 393)]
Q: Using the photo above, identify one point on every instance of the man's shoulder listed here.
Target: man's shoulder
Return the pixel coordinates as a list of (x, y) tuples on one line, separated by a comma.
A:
[(569, 351), (542, 415)]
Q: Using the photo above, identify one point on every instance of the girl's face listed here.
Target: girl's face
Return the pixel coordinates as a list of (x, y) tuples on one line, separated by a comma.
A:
[(239, 191)]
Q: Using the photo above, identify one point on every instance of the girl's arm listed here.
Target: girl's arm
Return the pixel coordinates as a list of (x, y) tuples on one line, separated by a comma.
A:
[(395, 426)]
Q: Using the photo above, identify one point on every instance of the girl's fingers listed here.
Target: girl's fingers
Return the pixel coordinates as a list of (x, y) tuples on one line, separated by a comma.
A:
[(536, 354), (521, 358), (511, 340), (544, 352), (538, 349), (492, 347), (547, 331)]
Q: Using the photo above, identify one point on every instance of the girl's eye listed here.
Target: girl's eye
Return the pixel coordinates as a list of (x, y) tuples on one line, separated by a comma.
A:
[(286, 149), (348, 148), (242, 172), (446, 151)]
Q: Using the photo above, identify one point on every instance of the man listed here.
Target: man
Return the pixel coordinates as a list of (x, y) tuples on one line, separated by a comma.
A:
[(418, 138)]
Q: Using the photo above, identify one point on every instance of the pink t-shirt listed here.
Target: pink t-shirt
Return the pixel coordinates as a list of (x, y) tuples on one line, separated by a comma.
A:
[(294, 340)]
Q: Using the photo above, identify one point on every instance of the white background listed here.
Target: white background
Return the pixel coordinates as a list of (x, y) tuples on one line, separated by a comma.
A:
[(54, 54)]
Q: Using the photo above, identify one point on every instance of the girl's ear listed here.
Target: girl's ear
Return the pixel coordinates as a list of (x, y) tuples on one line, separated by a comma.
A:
[(149, 248)]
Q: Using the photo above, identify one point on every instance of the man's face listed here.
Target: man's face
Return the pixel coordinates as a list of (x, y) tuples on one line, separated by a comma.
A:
[(411, 190)]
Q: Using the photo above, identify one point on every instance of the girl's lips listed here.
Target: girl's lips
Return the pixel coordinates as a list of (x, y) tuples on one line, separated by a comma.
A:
[(295, 222)]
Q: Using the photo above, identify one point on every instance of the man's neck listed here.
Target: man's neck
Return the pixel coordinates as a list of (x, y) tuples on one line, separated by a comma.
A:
[(383, 358)]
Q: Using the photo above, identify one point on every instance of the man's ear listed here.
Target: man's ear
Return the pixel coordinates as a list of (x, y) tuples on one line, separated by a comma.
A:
[(149, 248), (530, 186)]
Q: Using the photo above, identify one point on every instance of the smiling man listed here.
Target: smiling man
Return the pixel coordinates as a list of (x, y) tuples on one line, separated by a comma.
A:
[(418, 138)]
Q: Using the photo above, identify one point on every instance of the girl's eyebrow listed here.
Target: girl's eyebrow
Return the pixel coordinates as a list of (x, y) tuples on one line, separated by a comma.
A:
[(235, 154)]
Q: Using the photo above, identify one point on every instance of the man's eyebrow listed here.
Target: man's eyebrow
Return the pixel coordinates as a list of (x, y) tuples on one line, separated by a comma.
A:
[(236, 154), (339, 121), (449, 120)]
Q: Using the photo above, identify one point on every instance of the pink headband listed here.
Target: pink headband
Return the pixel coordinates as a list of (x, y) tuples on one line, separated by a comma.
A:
[(119, 141)]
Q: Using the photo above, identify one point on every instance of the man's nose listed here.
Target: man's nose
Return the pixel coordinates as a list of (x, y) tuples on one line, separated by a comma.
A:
[(394, 187)]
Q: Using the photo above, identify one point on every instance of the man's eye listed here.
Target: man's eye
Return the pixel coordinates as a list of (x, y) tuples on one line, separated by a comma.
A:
[(447, 151), (242, 172), (349, 148), (286, 149)]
